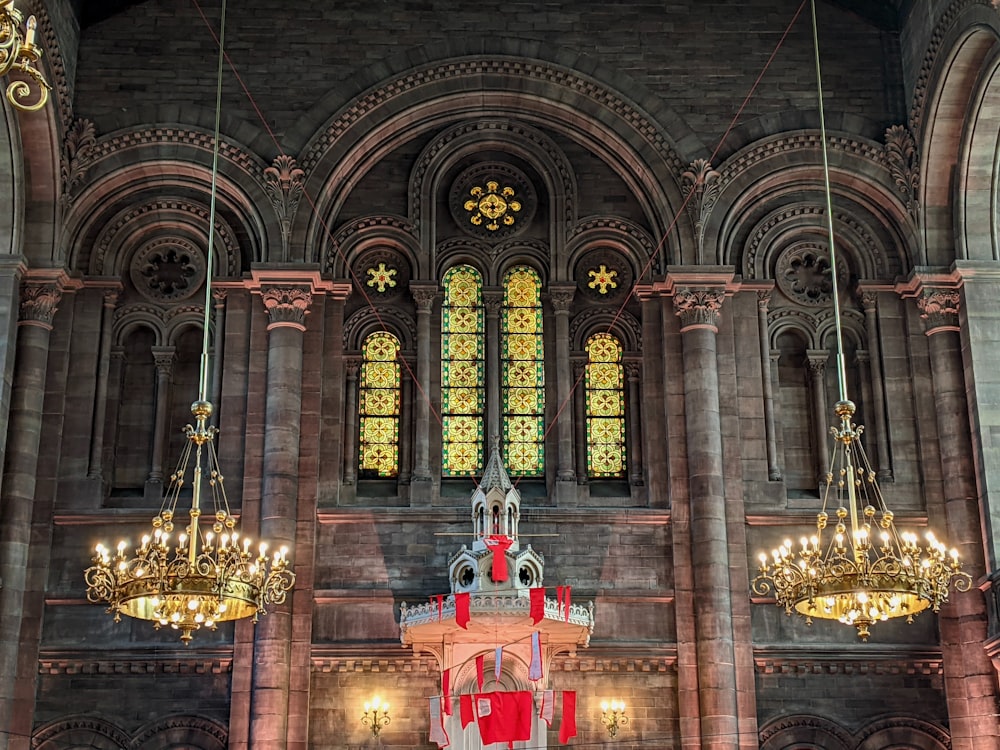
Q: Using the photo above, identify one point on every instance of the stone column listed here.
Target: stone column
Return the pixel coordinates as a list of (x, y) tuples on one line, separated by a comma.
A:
[(493, 301), (773, 469), (970, 680), (163, 357), (218, 349), (405, 425), (38, 306), (699, 310), (816, 360), (561, 296), (352, 365), (96, 468), (424, 295), (287, 306), (11, 270), (580, 424), (632, 411), (877, 418)]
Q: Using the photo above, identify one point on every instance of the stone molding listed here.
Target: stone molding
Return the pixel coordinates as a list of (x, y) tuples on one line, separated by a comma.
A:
[(177, 730), (904, 166), (53, 60), (77, 155), (889, 664), (80, 664), (608, 321), (364, 320)]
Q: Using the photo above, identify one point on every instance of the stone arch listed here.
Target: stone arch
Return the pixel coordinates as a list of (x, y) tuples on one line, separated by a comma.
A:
[(12, 175), (955, 108), (624, 326), (128, 318), (903, 732), (366, 321), (142, 167), (80, 732), (771, 177), (358, 236), (537, 94), (801, 731), (182, 731)]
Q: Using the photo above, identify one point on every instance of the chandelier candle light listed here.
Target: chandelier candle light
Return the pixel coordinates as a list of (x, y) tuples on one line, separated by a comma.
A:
[(865, 571), (204, 576), (19, 54)]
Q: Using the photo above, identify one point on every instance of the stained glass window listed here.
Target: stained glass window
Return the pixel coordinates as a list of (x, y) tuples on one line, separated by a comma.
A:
[(605, 407), (523, 373), (379, 406), (462, 372)]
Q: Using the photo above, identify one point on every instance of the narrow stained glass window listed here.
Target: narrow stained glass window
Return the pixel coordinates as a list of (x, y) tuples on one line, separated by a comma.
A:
[(605, 407), (523, 373), (462, 373), (379, 407)]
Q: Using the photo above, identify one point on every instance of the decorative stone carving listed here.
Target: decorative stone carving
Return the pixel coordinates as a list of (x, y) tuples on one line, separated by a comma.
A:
[(698, 308), (39, 303), (802, 272), (562, 298), (701, 191), (424, 297), (763, 299), (167, 269), (78, 153), (939, 309), (904, 165), (382, 273), (283, 185), (286, 306), (492, 201)]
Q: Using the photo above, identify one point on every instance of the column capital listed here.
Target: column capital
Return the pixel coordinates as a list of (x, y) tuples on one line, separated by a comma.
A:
[(424, 293), (352, 366), (816, 360), (163, 358), (287, 306), (493, 301), (39, 303), (633, 370), (698, 308), (939, 309), (561, 296)]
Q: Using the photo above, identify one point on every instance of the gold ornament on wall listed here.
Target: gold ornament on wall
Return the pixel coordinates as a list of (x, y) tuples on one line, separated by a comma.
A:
[(381, 277), (602, 279), (493, 204)]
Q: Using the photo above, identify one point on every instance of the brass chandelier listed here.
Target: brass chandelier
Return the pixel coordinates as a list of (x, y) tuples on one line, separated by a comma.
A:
[(19, 54), (206, 575), (863, 570)]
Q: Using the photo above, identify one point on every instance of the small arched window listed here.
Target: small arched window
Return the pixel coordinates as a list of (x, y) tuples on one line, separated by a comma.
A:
[(605, 389), (523, 373), (379, 407)]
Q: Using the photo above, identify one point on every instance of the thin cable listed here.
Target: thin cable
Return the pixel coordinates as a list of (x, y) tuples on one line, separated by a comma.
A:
[(841, 369), (210, 254)]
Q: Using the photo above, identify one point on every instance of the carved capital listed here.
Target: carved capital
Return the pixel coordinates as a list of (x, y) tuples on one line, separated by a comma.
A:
[(493, 302), (632, 371), (164, 358), (286, 306), (352, 366), (424, 296), (939, 309), (698, 308), (39, 303), (869, 301), (763, 299), (562, 297), (111, 297), (219, 295), (816, 362)]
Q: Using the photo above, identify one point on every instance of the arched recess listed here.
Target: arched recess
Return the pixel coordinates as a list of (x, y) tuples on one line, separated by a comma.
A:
[(80, 732), (958, 108), (774, 176), (803, 732), (534, 93), (903, 732), (125, 170)]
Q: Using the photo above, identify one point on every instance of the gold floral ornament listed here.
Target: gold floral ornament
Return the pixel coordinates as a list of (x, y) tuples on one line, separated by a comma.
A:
[(381, 277), (493, 205), (602, 279)]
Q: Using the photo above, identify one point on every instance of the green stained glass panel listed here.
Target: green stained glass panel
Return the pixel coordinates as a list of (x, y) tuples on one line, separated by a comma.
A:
[(462, 372), (604, 384), (378, 449), (523, 373)]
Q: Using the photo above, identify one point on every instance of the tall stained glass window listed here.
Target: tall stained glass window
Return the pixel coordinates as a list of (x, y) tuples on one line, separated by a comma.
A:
[(523, 373), (379, 406), (605, 384), (462, 372)]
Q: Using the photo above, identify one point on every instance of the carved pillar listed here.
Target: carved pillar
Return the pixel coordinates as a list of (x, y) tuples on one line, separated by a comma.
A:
[(287, 306), (816, 360), (580, 424), (424, 296), (163, 358), (95, 470), (779, 438), (632, 411), (493, 301), (773, 469), (38, 306), (351, 366), (406, 425), (877, 420), (699, 309), (970, 681), (562, 302), (863, 362)]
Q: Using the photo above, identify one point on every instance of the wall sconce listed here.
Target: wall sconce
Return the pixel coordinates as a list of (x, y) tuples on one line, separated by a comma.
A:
[(376, 715), (613, 716)]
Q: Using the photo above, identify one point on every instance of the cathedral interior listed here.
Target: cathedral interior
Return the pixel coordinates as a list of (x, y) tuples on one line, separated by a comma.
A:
[(517, 331)]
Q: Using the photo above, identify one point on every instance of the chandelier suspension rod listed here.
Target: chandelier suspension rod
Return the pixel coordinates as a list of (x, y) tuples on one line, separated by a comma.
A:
[(841, 369), (210, 252)]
